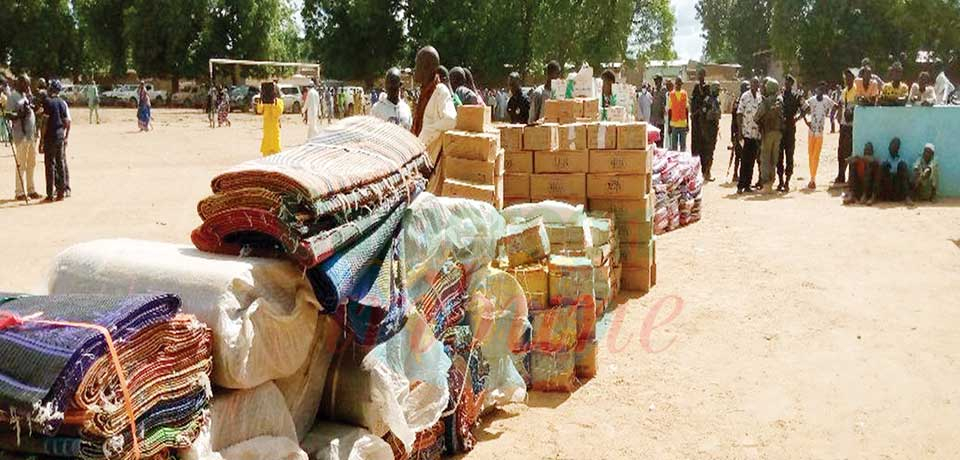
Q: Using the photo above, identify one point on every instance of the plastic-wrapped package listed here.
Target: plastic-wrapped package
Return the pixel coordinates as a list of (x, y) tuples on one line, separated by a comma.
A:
[(585, 364), (265, 448), (525, 242), (553, 371), (554, 329), (586, 319), (399, 386), (552, 213), (237, 416), (303, 390), (474, 232), (334, 441), (535, 283), (263, 312), (499, 321), (570, 279), (521, 361)]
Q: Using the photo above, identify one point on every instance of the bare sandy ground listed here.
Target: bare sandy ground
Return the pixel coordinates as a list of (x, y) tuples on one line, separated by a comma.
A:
[(783, 326)]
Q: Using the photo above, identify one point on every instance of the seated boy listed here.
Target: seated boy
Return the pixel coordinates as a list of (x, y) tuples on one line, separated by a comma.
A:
[(895, 176), (863, 179), (926, 175)]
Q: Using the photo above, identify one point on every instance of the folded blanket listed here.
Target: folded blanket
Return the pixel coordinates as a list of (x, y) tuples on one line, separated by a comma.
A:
[(41, 365), (262, 312)]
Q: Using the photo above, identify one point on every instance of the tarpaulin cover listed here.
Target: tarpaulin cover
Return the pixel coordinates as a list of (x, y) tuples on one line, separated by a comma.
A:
[(262, 311)]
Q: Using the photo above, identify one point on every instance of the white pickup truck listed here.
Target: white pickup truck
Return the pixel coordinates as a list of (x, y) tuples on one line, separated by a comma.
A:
[(127, 95)]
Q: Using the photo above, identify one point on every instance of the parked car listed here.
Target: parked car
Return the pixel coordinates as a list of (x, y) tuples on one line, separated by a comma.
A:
[(242, 96), (193, 97), (127, 95), (291, 98)]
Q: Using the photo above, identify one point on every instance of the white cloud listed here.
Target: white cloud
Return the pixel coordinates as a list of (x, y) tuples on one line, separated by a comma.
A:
[(686, 39)]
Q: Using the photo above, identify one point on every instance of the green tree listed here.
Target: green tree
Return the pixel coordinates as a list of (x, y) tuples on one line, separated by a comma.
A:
[(652, 31), (164, 37), (105, 45), (736, 30), (354, 38), (40, 37)]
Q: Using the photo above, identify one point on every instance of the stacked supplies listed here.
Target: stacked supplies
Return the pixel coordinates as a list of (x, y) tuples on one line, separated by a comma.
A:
[(559, 288), (606, 258), (620, 183), (334, 206), (98, 377), (472, 157), (678, 184), (517, 165)]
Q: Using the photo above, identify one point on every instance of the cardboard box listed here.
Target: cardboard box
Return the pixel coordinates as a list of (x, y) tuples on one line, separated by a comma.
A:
[(554, 329), (475, 118), (553, 372), (561, 161), (525, 243), (570, 188), (638, 279), (602, 135), (477, 172), (535, 283), (638, 255), (487, 193), (471, 146), (520, 161), (572, 136), (562, 108), (591, 108), (511, 201), (621, 161), (572, 236), (632, 136), (570, 279), (630, 186), (635, 232), (516, 186), (511, 137), (637, 210), (540, 137)]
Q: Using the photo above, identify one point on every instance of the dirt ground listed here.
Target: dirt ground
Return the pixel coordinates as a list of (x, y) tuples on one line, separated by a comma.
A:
[(783, 326)]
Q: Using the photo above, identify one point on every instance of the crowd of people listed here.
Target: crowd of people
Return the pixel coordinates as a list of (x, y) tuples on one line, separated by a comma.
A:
[(37, 125), (764, 129)]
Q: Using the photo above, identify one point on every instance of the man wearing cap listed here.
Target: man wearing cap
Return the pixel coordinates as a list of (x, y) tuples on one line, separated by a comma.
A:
[(57, 131), (926, 175)]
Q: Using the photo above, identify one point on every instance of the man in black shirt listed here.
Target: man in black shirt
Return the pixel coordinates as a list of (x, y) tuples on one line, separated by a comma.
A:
[(458, 81), (56, 133), (791, 113), (518, 107), (697, 113)]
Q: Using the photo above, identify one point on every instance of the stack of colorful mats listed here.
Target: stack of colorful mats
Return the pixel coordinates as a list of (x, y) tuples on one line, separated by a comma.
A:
[(333, 205), (79, 374)]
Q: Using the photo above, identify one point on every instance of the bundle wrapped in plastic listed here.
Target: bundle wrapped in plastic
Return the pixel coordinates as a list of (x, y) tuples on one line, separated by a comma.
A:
[(263, 312), (554, 329), (525, 242), (333, 441), (571, 278), (467, 380), (585, 364), (552, 213), (399, 386), (553, 371)]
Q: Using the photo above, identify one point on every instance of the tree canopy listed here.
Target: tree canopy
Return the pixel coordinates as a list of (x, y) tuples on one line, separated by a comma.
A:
[(824, 37)]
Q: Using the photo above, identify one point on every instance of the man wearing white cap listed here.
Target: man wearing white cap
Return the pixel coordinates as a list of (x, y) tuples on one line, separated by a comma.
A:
[(926, 175)]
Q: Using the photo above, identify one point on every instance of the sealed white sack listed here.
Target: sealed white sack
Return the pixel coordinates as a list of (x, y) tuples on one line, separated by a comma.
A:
[(263, 312), (552, 213), (237, 416), (333, 441), (304, 389)]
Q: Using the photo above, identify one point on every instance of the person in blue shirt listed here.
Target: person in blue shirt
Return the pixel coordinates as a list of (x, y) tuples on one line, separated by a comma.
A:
[(895, 175), (57, 132)]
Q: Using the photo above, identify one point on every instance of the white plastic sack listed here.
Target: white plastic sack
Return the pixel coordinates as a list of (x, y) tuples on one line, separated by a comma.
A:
[(373, 389), (498, 319), (304, 389), (333, 441), (265, 448), (263, 312), (552, 212), (474, 231), (426, 247), (237, 416)]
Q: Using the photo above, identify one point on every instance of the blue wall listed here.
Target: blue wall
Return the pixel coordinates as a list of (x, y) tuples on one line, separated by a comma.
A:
[(915, 126)]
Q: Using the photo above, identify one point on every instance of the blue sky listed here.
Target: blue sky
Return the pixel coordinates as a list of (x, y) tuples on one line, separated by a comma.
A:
[(687, 40)]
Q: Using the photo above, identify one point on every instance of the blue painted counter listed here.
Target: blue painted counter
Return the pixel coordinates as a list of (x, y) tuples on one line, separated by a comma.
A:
[(915, 126)]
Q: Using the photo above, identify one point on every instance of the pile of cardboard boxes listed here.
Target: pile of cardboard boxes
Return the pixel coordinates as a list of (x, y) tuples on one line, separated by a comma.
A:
[(473, 161), (604, 166)]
